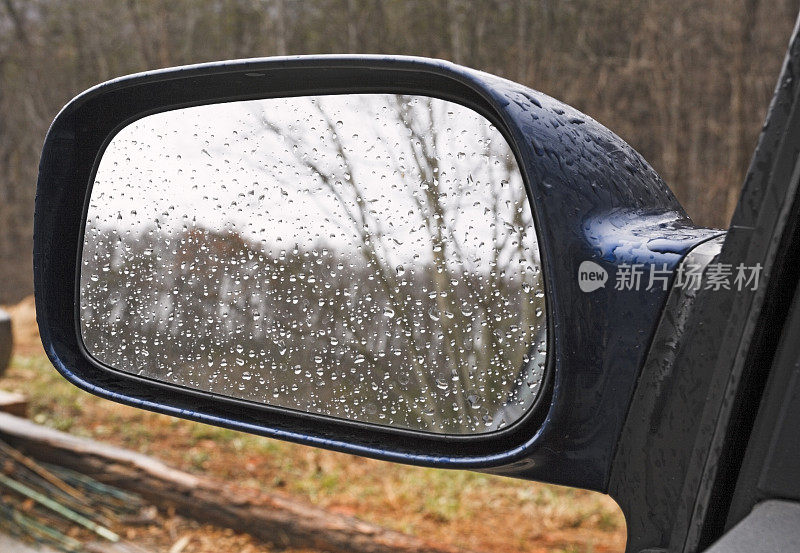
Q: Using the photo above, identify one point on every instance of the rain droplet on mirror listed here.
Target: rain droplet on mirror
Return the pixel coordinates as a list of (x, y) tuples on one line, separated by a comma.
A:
[(325, 254)]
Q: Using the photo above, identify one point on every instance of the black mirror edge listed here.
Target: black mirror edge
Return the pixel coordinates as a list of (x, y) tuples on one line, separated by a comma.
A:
[(589, 191)]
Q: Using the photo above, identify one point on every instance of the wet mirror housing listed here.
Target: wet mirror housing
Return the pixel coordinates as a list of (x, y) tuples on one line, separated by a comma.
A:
[(598, 207)]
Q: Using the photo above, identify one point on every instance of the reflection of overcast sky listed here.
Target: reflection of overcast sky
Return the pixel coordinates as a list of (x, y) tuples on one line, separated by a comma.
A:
[(245, 167)]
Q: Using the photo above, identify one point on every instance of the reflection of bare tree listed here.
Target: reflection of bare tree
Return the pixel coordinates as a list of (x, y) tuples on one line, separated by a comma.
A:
[(439, 331), (463, 350)]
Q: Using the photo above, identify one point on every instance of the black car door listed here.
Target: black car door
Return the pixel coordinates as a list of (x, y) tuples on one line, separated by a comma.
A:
[(713, 425)]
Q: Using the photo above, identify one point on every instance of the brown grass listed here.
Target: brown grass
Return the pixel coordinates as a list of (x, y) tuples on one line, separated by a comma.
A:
[(476, 511)]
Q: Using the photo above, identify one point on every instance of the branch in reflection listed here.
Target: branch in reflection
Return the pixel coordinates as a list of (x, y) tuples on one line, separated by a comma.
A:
[(410, 300)]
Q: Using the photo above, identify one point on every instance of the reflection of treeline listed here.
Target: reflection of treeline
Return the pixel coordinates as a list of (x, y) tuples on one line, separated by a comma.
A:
[(314, 329)]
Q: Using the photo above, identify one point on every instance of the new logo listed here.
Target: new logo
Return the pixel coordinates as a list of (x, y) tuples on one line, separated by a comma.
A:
[(591, 276)]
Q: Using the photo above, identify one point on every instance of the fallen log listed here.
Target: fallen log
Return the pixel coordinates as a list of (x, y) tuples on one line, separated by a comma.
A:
[(12, 403), (273, 518)]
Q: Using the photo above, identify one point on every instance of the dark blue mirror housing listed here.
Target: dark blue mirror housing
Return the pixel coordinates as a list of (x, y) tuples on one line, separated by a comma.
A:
[(598, 207)]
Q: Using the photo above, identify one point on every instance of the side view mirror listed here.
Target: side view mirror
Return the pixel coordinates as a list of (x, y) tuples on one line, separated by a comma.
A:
[(393, 257)]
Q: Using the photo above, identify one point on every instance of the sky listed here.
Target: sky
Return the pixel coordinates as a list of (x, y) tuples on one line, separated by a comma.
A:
[(257, 168)]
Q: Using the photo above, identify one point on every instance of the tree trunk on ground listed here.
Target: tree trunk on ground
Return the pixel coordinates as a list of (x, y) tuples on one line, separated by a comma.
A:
[(270, 517)]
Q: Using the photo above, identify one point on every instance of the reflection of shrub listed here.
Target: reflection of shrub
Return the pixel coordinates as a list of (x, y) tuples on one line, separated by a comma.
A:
[(313, 329)]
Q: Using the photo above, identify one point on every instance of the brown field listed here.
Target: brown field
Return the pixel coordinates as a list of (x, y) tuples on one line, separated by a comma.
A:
[(470, 510)]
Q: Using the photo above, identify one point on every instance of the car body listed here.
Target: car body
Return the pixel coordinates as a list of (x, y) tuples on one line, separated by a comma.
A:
[(6, 340)]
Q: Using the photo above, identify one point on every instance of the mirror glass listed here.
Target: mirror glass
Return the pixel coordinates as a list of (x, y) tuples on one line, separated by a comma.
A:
[(369, 257)]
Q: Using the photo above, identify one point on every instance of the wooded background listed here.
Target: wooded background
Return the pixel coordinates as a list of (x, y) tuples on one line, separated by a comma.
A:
[(685, 82)]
